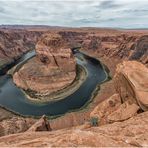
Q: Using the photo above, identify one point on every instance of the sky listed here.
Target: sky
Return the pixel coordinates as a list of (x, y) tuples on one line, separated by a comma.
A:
[(78, 13)]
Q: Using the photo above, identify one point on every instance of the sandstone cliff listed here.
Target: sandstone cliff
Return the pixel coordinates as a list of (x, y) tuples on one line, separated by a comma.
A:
[(111, 43), (131, 82), (13, 43)]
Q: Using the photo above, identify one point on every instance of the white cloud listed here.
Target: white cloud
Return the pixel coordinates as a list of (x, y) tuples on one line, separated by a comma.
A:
[(107, 13)]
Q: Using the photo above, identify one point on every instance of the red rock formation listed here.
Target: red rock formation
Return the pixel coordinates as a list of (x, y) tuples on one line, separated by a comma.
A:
[(109, 45), (13, 43), (51, 70), (140, 50), (15, 125), (104, 109), (132, 132), (131, 81), (124, 112), (131, 85), (40, 125), (53, 50)]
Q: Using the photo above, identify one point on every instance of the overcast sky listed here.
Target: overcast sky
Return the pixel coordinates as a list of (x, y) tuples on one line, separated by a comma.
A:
[(92, 13)]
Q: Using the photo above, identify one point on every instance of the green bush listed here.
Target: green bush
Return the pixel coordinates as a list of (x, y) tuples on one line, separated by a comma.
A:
[(94, 121)]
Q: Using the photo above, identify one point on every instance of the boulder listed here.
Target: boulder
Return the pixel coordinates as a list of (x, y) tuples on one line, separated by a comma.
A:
[(131, 82), (102, 110), (124, 112), (40, 125)]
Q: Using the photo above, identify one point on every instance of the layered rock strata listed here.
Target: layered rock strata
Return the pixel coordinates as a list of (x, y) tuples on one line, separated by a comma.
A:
[(40, 125), (131, 86), (132, 132), (131, 82), (14, 43), (112, 43), (52, 69)]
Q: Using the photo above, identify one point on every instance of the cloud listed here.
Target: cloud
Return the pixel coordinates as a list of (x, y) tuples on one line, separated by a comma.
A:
[(108, 4), (103, 13)]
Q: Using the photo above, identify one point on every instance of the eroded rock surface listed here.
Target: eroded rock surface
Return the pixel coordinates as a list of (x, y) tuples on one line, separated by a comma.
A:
[(124, 112), (40, 125), (126, 45), (15, 125), (13, 43), (51, 70), (104, 109), (107, 44), (132, 132), (131, 82)]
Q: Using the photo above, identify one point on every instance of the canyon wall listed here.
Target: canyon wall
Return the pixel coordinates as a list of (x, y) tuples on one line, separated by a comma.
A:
[(130, 127), (112, 43), (53, 50), (13, 43), (121, 44)]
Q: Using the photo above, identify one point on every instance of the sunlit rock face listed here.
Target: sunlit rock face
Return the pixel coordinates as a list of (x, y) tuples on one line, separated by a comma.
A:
[(13, 43), (132, 132), (52, 69), (131, 82), (53, 50)]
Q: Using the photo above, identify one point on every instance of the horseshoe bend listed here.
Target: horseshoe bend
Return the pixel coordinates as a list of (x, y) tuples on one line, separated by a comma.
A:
[(88, 84), (52, 69)]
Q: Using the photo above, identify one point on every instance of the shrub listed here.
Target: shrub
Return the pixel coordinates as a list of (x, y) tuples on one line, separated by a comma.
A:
[(94, 121)]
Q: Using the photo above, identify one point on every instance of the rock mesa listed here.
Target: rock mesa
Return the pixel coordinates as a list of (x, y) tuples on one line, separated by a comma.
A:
[(52, 69)]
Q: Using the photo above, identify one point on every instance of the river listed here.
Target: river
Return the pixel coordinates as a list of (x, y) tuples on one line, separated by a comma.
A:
[(12, 98)]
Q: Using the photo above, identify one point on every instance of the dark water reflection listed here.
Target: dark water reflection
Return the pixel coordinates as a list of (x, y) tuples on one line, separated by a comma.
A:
[(14, 99)]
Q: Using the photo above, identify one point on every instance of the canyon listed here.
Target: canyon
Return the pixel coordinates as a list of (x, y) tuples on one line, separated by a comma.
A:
[(116, 116), (54, 63)]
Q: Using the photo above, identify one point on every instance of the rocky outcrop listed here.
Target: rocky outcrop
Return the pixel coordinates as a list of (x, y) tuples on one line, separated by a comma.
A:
[(53, 50), (104, 109), (15, 125), (132, 132), (18, 124), (131, 82), (131, 86), (40, 125), (52, 69), (123, 112)]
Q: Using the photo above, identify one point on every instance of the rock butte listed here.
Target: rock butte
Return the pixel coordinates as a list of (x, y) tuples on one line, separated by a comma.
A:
[(52, 69), (120, 106)]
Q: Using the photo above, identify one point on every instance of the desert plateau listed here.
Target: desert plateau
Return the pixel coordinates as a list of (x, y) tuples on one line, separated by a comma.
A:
[(72, 86)]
